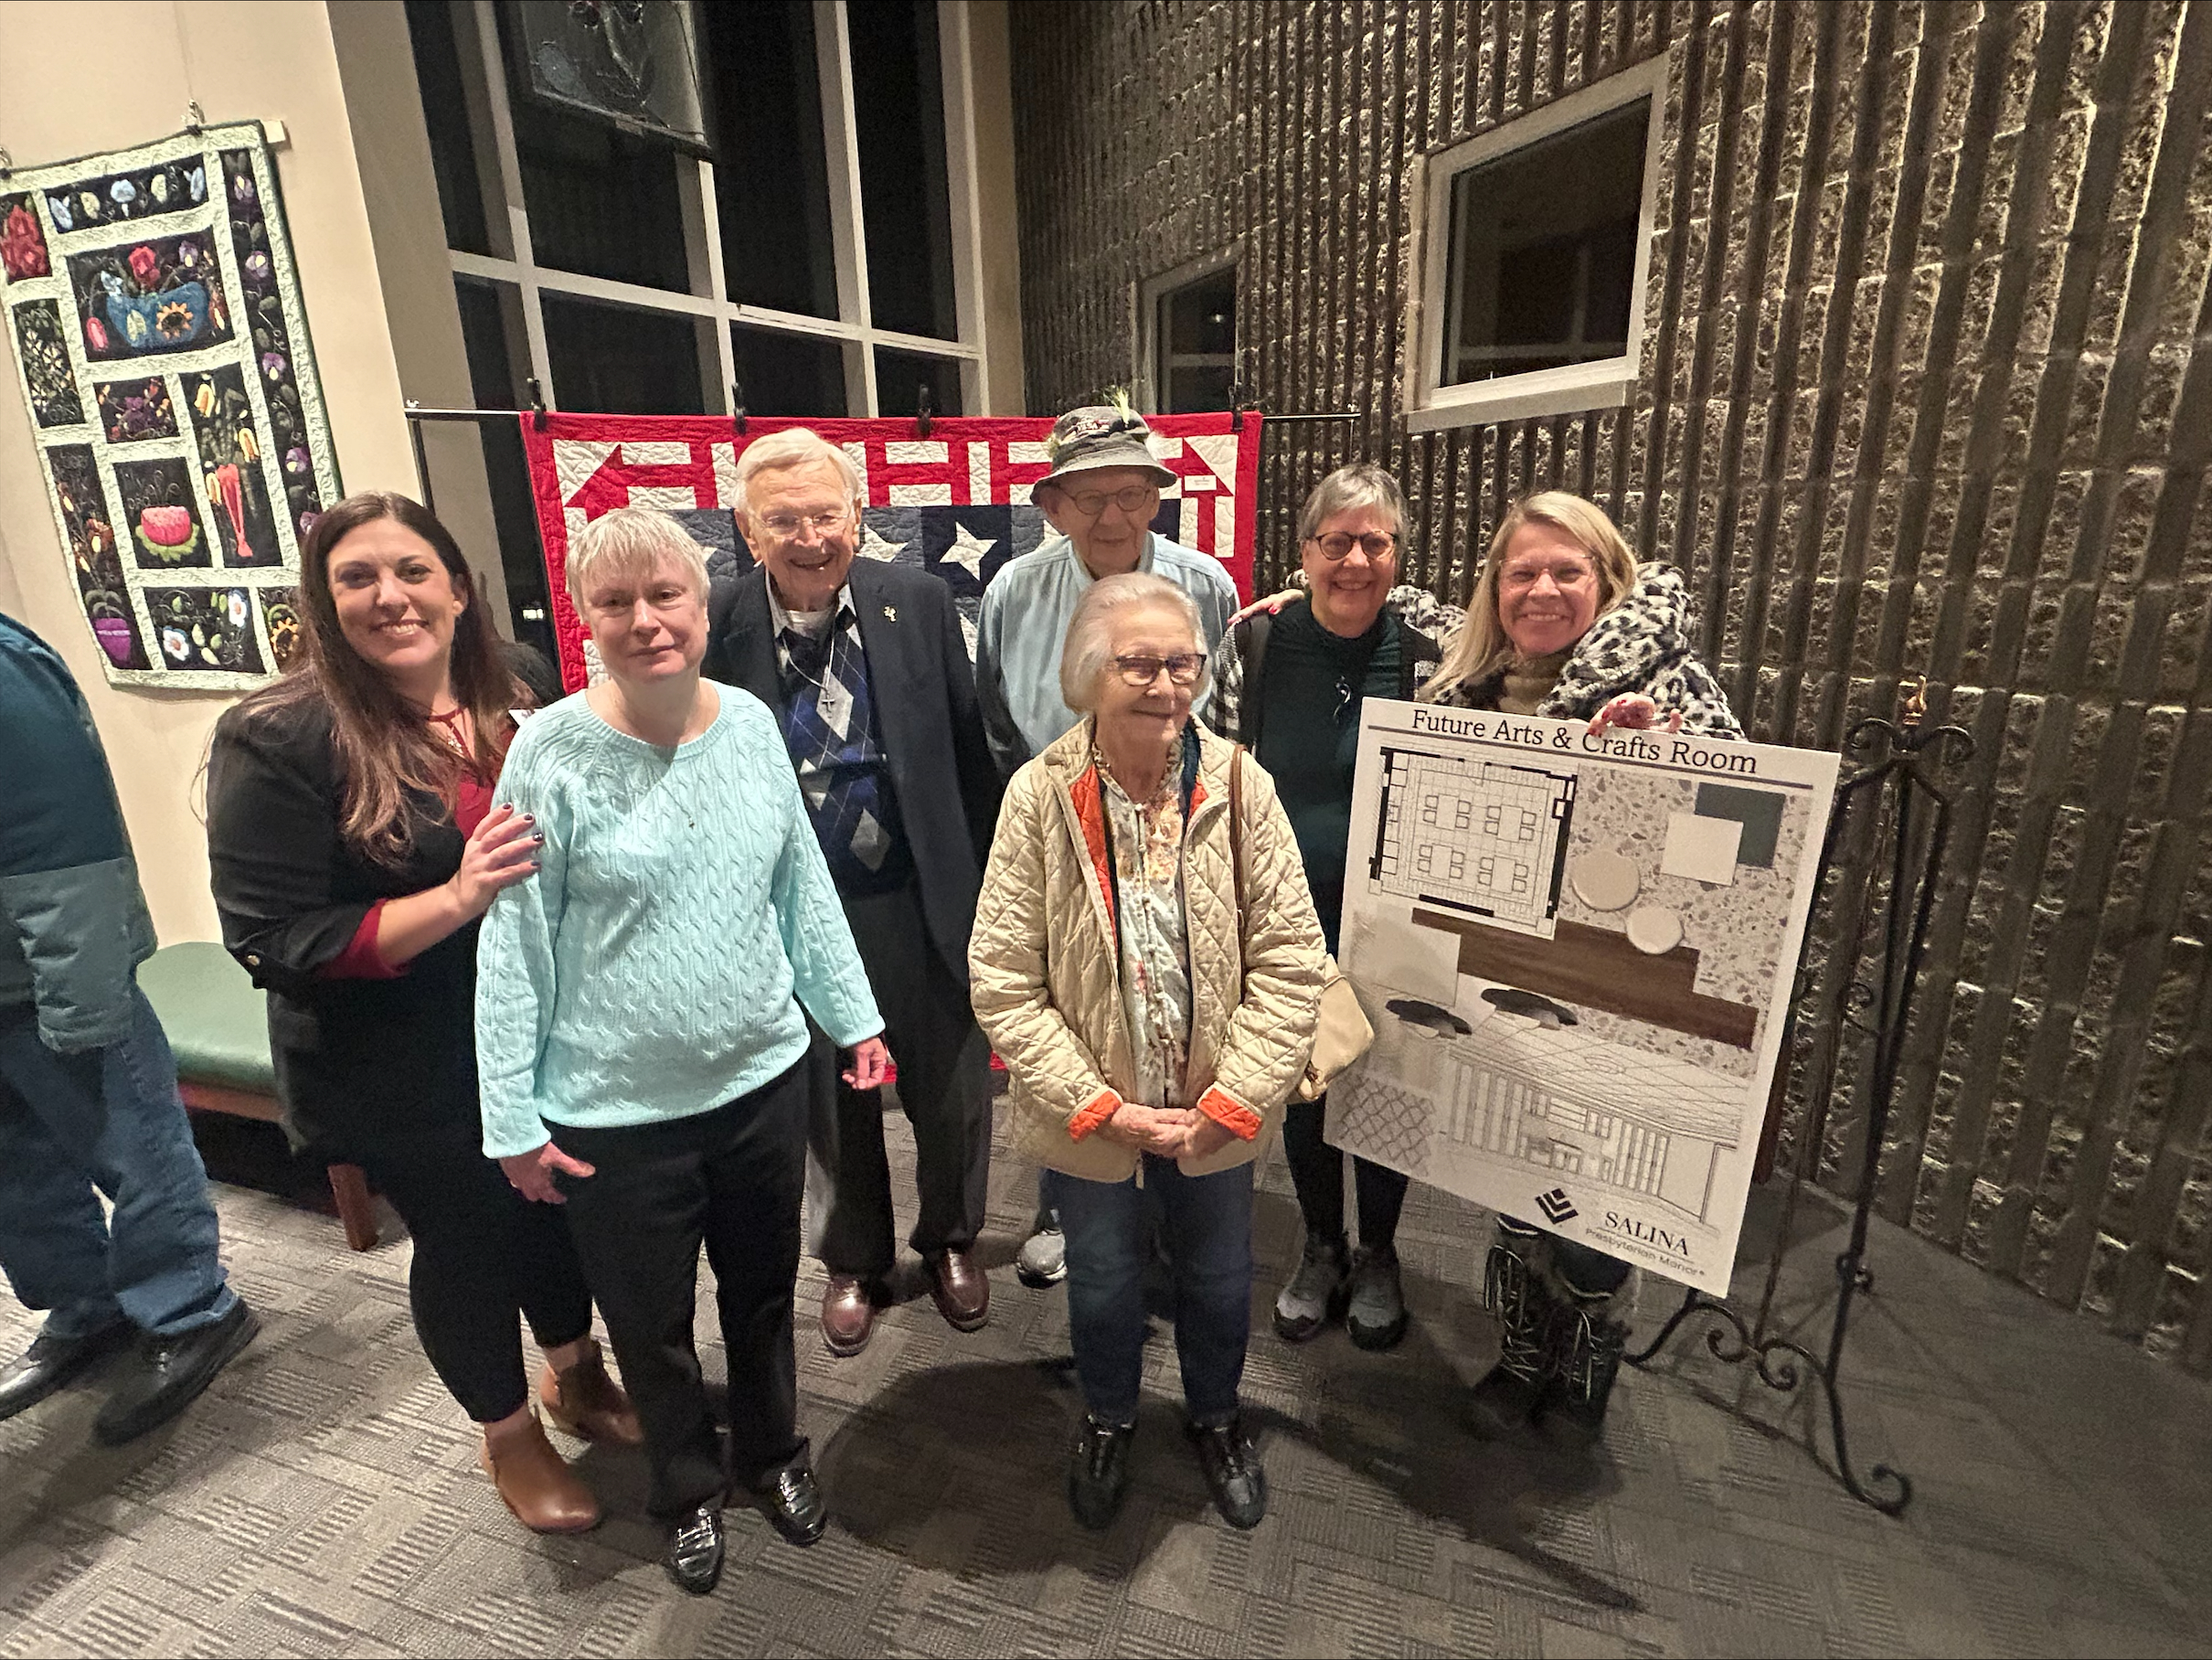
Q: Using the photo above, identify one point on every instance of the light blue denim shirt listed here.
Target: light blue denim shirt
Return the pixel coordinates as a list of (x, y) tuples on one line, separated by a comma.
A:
[(1024, 623)]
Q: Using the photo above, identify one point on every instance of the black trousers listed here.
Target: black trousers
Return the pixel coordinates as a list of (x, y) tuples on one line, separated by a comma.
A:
[(730, 1179), (1317, 1173), (482, 1252), (945, 1089)]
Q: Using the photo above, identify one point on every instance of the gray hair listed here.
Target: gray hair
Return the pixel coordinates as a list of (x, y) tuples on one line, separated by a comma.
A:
[(795, 447), (632, 542), (1090, 643), (1361, 485)]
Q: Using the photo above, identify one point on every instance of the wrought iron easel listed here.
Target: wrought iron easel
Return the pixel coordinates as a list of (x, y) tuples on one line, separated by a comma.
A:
[(1893, 804)]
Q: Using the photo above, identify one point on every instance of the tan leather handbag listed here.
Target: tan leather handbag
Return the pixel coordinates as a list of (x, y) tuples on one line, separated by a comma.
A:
[(1341, 1031)]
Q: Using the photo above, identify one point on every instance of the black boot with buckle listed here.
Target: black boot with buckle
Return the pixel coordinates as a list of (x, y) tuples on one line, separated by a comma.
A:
[(1515, 1293)]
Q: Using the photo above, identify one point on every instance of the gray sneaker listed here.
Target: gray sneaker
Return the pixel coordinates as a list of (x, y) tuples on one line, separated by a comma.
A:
[(1316, 1292), (1043, 1259), (1377, 1318)]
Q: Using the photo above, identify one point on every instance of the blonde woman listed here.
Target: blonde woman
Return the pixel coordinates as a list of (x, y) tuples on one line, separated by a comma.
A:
[(1153, 1027), (1563, 623)]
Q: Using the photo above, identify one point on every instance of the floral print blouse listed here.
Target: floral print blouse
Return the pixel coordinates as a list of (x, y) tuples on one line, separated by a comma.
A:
[(1147, 842)]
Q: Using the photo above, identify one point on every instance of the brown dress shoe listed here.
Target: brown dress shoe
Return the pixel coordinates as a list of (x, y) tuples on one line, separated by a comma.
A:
[(587, 1403), (963, 1295), (535, 1482), (848, 1315)]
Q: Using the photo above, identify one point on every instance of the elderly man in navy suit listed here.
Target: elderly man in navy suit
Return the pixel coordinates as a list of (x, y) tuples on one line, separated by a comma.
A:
[(866, 666)]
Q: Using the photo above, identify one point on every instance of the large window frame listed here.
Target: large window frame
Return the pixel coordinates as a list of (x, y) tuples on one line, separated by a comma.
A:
[(708, 300), (1148, 302), (1432, 403)]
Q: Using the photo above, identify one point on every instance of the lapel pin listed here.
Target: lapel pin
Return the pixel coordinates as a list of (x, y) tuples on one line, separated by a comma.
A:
[(890, 614)]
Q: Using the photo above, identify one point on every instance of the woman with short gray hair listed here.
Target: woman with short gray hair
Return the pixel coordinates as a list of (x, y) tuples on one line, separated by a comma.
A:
[(1292, 689), (642, 1024), (1152, 1023)]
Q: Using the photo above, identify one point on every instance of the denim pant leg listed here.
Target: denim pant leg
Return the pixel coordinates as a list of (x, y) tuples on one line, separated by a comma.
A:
[(131, 1138), (53, 1238), (1107, 1243), (1209, 1241)]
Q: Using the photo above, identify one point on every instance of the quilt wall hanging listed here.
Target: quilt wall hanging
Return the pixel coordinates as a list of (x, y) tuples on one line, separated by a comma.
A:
[(163, 351), (951, 498)]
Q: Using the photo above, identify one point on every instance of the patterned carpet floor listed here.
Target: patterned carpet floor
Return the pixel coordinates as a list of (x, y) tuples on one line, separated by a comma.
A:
[(323, 1498)]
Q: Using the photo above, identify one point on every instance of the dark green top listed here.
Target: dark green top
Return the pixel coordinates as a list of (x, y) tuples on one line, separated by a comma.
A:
[(1309, 735)]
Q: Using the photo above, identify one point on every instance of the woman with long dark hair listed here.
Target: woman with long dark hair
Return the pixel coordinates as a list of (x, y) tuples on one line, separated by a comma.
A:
[(355, 844)]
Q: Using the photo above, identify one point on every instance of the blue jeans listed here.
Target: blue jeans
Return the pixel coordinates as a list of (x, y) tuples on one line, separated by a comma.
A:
[(108, 1118), (1207, 1221)]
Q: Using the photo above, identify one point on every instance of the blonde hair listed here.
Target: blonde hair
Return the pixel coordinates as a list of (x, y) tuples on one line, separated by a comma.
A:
[(632, 542), (1090, 644), (1480, 648), (794, 447)]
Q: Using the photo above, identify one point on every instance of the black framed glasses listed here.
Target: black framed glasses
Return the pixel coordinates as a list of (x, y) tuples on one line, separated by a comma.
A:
[(1375, 545), (1141, 669)]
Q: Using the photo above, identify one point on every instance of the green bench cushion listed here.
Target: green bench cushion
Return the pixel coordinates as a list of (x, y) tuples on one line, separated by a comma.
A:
[(217, 1022)]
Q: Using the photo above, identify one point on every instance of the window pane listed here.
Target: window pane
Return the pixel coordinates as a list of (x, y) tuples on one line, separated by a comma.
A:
[(772, 186), (1544, 251), (899, 106), (601, 201), (619, 360), (1197, 336), (901, 376), (491, 329), (789, 374), (438, 70)]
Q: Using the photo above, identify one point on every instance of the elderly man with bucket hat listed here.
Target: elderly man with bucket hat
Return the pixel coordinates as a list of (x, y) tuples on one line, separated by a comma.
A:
[(1099, 498)]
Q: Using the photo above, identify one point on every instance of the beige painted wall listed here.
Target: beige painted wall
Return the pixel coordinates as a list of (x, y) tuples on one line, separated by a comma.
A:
[(240, 60)]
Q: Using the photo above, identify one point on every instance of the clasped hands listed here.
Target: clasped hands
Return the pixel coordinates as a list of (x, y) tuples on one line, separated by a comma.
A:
[(1165, 1131)]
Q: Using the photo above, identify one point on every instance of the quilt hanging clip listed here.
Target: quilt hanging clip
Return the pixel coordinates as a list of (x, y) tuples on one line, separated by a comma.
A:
[(925, 409), (195, 117), (538, 405), (737, 406)]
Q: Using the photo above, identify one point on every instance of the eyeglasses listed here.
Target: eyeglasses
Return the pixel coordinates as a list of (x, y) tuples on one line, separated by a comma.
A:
[(784, 526), (1375, 545), (1132, 498), (1183, 668)]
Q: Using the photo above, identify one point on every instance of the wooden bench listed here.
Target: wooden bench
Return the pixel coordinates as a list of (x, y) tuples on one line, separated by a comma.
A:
[(218, 1026)]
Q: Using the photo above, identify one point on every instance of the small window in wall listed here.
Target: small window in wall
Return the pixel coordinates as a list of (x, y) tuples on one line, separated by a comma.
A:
[(1539, 245), (1186, 338), (788, 374)]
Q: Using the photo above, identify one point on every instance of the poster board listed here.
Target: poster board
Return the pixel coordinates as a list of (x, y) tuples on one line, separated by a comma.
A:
[(1578, 953)]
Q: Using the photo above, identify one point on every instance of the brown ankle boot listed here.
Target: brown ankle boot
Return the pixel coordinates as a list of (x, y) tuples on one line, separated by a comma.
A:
[(533, 1481), (587, 1403)]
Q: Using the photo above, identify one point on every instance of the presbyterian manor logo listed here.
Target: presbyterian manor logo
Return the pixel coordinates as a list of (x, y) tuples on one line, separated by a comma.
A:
[(1557, 1207)]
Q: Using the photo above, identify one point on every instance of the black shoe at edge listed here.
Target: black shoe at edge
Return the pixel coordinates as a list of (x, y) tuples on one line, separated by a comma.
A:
[(1098, 1472), (793, 1500), (51, 1362), (1233, 1473)]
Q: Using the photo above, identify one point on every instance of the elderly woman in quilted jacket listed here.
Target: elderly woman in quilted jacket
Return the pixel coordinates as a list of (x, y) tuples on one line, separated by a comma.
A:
[(1152, 1025), (1563, 623)]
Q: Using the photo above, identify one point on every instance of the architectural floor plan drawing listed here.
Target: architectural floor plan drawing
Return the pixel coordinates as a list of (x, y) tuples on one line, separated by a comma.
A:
[(1479, 836), (1576, 953)]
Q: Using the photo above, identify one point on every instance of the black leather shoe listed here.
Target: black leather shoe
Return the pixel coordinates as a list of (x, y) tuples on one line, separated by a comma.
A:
[(167, 1375), (51, 1362), (1232, 1472), (792, 1500), (1098, 1472), (695, 1551)]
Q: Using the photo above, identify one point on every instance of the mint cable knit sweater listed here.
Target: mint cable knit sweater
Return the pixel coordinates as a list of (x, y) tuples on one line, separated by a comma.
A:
[(650, 969)]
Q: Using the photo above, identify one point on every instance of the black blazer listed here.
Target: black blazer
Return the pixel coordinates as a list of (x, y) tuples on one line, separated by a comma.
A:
[(924, 690), (358, 1063)]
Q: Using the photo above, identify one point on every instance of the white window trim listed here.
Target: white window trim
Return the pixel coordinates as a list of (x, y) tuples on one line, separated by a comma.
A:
[(852, 326), (1573, 388), (1145, 330)]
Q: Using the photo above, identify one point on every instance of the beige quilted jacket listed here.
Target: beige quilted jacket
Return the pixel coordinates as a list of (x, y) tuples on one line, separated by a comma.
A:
[(1045, 978)]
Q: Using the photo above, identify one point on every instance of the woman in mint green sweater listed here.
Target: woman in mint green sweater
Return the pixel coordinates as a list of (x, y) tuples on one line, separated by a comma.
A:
[(640, 1036)]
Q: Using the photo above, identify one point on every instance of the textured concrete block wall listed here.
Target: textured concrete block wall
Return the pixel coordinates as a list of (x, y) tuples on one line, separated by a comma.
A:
[(1927, 389)]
